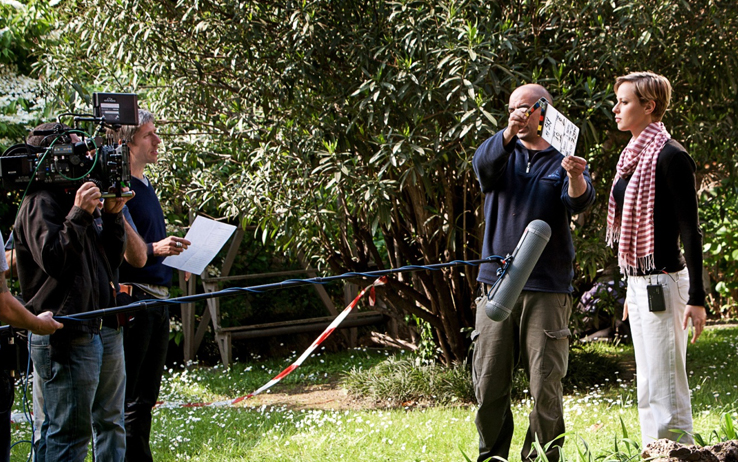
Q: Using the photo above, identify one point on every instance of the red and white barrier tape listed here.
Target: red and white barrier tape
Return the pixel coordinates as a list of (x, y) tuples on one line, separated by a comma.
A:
[(21, 418), (321, 338)]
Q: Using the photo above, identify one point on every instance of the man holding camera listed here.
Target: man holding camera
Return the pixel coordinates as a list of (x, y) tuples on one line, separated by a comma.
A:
[(65, 266), (147, 333)]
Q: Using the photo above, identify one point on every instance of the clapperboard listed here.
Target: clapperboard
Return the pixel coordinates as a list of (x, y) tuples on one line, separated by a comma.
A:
[(557, 130)]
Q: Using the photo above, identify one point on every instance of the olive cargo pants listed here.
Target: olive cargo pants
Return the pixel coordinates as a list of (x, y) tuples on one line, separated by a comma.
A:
[(536, 336)]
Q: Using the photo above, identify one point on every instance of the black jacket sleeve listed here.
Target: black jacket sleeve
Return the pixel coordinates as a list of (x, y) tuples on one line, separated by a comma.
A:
[(113, 238), (681, 183), (55, 240)]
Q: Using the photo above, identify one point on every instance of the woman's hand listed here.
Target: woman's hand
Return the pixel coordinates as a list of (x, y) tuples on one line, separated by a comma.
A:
[(625, 310), (699, 318)]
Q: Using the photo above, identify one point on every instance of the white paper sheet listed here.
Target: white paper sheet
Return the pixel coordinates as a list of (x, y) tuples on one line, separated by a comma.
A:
[(560, 132), (207, 237)]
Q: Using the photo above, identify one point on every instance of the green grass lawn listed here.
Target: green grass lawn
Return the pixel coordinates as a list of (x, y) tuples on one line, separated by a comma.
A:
[(257, 432)]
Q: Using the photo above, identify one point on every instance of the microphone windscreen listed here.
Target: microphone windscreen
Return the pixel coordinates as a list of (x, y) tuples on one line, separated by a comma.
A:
[(508, 288)]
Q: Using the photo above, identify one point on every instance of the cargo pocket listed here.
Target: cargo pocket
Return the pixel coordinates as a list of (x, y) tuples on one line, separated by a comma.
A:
[(556, 356)]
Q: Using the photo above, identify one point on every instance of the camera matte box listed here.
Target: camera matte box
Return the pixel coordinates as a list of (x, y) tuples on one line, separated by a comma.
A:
[(116, 108)]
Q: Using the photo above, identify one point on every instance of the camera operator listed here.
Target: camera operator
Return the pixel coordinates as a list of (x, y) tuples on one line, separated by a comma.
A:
[(14, 313), (65, 265), (135, 255)]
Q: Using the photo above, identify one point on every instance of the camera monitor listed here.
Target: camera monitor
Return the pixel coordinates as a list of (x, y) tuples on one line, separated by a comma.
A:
[(116, 108)]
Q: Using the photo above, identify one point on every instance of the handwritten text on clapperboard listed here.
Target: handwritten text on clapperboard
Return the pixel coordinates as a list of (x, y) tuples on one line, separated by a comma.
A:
[(560, 132)]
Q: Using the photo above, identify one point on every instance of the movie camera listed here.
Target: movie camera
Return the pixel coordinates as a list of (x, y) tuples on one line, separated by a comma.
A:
[(69, 157)]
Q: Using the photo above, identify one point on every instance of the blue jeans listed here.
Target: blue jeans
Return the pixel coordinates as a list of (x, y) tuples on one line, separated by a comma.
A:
[(108, 423), (81, 379), (146, 342)]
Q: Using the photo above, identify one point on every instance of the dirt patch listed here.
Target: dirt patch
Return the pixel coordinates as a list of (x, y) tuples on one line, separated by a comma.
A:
[(328, 396), (331, 396), (676, 452), (628, 368)]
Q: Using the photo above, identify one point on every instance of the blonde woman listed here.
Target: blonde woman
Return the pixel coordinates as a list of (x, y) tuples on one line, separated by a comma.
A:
[(652, 208)]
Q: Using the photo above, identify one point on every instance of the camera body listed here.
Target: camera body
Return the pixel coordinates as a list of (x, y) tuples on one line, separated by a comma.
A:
[(66, 165), (70, 157)]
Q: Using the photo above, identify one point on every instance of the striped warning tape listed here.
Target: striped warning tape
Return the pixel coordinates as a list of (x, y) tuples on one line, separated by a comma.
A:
[(21, 418), (321, 338)]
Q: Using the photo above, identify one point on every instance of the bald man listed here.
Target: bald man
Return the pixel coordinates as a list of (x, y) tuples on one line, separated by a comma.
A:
[(525, 179)]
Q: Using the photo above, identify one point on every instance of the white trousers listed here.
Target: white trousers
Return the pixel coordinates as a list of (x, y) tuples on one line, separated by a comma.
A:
[(660, 346)]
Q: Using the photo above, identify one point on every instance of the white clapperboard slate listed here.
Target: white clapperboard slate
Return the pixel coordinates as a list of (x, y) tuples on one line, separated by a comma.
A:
[(560, 132)]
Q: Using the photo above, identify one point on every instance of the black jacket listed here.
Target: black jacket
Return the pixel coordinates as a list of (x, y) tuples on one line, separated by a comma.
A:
[(61, 266)]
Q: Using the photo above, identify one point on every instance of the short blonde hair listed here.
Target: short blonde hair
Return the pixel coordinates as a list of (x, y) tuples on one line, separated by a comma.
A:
[(649, 86)]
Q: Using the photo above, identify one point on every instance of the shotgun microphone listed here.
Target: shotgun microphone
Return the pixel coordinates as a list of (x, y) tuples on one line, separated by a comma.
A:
[(506, 291)]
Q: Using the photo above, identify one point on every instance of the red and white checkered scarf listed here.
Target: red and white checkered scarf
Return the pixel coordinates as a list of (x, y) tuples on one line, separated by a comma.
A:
[(634, 229)]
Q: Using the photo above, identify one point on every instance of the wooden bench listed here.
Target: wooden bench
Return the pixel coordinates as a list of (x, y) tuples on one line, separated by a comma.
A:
[(224, 336), (299, 326)]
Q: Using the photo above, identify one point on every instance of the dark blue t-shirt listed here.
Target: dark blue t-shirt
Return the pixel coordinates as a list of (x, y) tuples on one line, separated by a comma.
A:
[(148, 217)]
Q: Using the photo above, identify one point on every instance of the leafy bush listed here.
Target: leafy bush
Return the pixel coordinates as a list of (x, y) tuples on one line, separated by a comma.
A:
[(339, 125), (719, 213), (398, 381)]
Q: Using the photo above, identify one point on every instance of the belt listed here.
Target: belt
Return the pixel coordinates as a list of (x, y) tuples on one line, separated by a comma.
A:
[(141, 292)]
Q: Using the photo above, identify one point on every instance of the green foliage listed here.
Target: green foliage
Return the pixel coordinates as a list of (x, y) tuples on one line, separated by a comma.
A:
[(23, 25), (726, 432), (602, 423), (719, 214), (403, 382), (710, 372), (216, 383), (346, 129), (396, 381), (623, 449), (427, 351)]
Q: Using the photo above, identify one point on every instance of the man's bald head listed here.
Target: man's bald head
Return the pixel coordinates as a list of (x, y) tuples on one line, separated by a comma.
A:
[(536, 90)]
